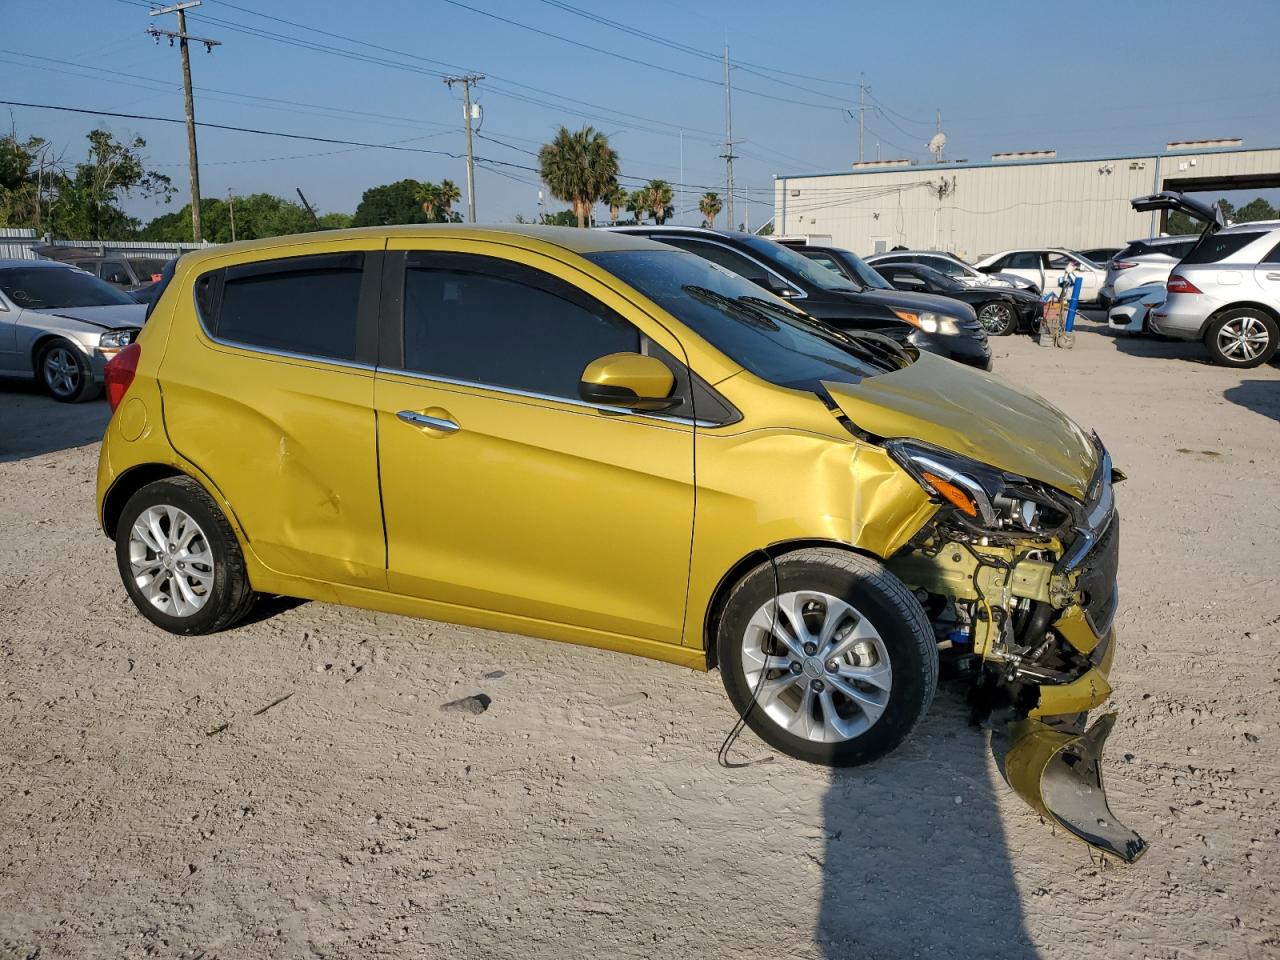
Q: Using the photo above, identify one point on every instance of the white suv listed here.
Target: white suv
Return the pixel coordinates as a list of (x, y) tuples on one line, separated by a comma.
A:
[(1044, 267), (1226, 290), (1141, 263)]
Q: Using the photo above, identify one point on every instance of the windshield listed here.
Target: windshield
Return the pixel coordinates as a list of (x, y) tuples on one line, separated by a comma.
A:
[(864, 274), (938, 280), (54, 288), (786, 258), (755, 329)]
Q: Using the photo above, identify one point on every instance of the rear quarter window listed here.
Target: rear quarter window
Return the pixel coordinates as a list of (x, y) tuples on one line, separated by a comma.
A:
[(301, 305), (1219, 246)]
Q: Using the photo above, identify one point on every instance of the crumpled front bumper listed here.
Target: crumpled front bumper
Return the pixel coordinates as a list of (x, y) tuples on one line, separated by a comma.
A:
[(1056, 765)]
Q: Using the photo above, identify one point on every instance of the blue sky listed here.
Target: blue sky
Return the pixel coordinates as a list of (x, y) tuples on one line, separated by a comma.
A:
[(1082, 78)]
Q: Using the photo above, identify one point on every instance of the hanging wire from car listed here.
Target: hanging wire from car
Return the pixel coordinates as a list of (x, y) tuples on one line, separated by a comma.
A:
[(722, 757)]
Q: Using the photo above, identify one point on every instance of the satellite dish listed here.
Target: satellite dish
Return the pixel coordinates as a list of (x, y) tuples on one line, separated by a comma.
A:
[(936, 145)]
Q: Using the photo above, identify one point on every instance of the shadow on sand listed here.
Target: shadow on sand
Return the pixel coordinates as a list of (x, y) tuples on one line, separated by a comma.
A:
[(1260, 396), (33, 423), (908, 870)]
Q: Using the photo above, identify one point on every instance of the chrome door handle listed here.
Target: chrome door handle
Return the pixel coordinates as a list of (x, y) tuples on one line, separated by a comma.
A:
[(1273, 276), (422, 420)]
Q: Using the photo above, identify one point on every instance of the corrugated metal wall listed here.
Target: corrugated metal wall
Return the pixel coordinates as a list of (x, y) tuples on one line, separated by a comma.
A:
[(18, 243), (974, 210)]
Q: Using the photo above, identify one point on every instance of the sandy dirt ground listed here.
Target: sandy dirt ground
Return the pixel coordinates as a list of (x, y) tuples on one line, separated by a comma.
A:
[(584, 813)]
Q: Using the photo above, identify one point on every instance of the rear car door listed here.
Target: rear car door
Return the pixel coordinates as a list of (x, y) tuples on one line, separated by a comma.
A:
[(269, 391), (1267, 274), (504, 492)]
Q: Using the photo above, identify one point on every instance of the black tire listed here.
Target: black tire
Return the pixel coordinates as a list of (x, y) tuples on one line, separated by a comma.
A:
[(884, 601), (1001, 318), (1249, 321), (229, 598), (65, 373)]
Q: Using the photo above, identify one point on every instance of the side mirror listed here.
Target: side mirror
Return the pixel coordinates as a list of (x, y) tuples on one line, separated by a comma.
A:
[(628, 380)]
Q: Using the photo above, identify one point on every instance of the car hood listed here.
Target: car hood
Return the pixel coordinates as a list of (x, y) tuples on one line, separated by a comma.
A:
[(110, 317), (916, 302), (972, 413)]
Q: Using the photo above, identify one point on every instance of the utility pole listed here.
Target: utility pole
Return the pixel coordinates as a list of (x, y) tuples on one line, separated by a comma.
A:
[(862, 109), (728, 155), (182, 37), (231, 207), (467, 81)]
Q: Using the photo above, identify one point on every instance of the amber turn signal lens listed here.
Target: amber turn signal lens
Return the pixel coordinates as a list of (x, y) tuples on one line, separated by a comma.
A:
[(952, 494)]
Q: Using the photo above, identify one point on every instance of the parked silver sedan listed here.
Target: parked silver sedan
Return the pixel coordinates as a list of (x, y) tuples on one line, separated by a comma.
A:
[(61, 325)]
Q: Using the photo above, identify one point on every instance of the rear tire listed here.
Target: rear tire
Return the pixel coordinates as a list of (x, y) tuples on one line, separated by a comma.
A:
[(65, 373), (180, 560), (1242, 337), (873, 666)]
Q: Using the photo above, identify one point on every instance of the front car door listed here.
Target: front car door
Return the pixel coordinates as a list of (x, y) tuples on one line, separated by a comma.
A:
[(504, 493)]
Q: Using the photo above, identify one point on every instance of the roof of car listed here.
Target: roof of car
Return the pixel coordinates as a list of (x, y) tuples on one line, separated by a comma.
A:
[(902, 253), (528, 236), (1251, 226), (11, 264)]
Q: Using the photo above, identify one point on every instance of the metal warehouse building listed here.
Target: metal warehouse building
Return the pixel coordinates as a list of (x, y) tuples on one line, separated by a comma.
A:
[(1015, 199)]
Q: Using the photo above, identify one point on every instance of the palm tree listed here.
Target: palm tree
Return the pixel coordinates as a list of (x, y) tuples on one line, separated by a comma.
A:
[(428, 194), (447, 194), (659, 200), (638, 203), (579, 168), (616, 199), (710, 207)]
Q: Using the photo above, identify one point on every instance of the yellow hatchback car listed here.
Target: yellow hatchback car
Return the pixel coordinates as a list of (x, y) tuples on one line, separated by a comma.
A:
[(592, 437)]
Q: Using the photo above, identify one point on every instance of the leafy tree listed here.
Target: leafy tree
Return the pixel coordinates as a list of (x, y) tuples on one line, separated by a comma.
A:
[(335, 221), (256, 215), (710, 207), (390, 203), (93, 193), (447, 194), (437, 200), (638, 204), (1257, 209), (579, 168)]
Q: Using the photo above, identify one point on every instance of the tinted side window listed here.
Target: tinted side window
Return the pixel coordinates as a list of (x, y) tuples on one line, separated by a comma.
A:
[(829, 262), (113, 271), (1023, 261), (489, 322), (305, 305), (1273, 256), (1218, 247)]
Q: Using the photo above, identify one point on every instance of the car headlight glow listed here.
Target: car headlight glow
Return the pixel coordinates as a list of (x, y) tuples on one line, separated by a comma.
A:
[(928, 321), (982, 496), (117, 339)]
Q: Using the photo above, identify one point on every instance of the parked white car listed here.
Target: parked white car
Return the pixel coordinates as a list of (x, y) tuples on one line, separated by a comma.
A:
[(1129, 312), (1141, 263), (1043, 266), (953, 267)]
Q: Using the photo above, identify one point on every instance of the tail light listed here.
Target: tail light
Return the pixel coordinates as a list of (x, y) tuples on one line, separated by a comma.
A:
[(1180, 284), (1122, 264), (120, 372)]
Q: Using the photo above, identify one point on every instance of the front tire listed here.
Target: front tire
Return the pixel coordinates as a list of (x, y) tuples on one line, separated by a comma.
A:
[(180, 560), (1242, 338), (834, 664), (998, 318), (65, 373)]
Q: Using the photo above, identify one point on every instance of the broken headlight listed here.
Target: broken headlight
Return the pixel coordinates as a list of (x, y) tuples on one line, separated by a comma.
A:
[(117, 339), (981, 496)]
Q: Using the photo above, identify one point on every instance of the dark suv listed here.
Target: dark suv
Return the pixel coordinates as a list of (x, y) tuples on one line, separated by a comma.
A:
[(932, 323)]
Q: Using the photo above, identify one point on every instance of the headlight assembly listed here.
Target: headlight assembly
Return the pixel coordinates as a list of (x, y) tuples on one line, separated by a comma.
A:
[(981, 496), (929, 322), (117, 339)]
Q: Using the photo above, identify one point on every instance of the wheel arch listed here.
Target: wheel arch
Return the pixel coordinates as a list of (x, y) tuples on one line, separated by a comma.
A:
[(757, 557), (1237, 305), (129, 483)]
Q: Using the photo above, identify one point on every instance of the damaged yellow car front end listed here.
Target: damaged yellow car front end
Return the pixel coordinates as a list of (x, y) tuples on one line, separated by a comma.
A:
[(1016, 570)]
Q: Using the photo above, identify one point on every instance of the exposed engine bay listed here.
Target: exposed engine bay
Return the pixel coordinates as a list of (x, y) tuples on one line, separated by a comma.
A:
[(1019, 582)]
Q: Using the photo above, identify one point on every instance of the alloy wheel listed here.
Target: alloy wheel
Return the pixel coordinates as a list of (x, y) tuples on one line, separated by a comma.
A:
[(61, 372), (996, 318), (1243, 338), (171, 561), (818, 667)]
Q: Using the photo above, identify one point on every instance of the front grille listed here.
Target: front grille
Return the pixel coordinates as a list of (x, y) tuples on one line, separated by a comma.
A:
[(1098, 579)]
